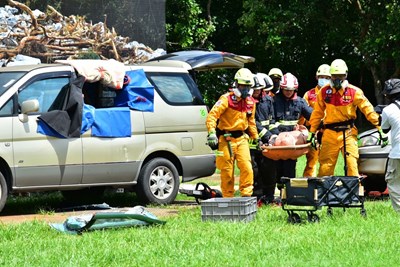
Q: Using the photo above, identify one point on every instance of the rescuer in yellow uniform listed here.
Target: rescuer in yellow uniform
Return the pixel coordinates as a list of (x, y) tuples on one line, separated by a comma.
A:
[(230, 123), (323, 77), (336, 105)]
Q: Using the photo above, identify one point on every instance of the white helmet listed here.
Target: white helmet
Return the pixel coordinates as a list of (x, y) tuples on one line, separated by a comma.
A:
[(289, 82), (244, 76), (323, 70), (338, 66), (276, 72), (265, 81)]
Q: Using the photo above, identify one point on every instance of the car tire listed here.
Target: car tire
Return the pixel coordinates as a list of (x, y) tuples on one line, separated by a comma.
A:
[(158, 182), (3, 191)]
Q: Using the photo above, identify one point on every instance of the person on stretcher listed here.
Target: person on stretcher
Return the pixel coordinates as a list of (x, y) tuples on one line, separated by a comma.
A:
[(289, 107)]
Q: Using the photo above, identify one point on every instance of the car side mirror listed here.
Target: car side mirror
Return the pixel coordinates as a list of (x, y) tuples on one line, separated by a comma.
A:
[(28, 106)]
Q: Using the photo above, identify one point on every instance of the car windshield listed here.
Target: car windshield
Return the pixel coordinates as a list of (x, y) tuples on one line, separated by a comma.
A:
[(7, 79)]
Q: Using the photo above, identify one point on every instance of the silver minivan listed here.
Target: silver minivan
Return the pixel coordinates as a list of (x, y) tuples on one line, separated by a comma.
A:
[(43, 146)]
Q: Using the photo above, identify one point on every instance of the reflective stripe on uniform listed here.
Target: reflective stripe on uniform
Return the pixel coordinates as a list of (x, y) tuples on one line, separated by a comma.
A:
[(288, 123), (273, 126), (252, 144), (219, 153), (264, 123), (262, 133)]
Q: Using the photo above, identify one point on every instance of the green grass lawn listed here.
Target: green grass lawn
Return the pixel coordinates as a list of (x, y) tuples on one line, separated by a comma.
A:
[(343, 239)]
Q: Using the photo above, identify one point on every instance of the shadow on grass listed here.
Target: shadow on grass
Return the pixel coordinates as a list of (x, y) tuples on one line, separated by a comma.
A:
[(49, 202)]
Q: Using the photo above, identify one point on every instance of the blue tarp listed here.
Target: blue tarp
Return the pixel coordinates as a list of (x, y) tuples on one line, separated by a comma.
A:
[(106, 122), (45, 129), (138, 94), (87, 117), (112, 122)]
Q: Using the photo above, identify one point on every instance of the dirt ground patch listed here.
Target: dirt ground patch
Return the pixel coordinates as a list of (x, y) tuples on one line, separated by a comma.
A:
[(56, 216), (62, 216)]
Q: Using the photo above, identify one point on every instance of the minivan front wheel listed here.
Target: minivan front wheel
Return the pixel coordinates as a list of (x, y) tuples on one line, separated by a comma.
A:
[(158, 182), (3, 191)]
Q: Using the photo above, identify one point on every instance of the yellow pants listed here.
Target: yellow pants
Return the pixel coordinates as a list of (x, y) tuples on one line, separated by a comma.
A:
[(225, 163), (311, 166), (332, 143)]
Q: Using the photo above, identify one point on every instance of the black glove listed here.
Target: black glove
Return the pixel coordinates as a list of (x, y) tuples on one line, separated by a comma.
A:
[(383, 138), (265, 139), (311, 140), (260, 144), (212, 140)]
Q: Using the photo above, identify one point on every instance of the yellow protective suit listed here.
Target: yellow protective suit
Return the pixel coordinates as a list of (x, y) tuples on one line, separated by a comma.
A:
[(312, 156), (338, 107), (234, 115)]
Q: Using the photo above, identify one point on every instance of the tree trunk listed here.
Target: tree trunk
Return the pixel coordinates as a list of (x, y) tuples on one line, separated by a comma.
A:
[(377, 85)]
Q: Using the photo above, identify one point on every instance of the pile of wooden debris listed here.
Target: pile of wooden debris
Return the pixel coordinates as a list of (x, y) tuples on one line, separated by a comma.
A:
[(50, 36)]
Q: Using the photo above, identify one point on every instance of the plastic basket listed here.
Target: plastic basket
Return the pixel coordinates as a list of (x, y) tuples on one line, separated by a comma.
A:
[(242, 209)]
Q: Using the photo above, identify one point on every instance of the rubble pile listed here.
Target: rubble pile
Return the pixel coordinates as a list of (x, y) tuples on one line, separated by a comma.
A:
[(51, 36)]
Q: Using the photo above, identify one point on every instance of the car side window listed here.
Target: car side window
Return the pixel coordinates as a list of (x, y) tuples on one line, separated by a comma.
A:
[(45, 91), (7, 109), (176, 88)]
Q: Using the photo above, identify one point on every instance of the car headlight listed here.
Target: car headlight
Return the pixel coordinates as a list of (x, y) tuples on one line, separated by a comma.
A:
[(368, 140)]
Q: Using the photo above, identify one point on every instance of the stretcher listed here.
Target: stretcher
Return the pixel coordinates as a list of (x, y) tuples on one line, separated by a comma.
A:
[(285, 152), (288, 145)]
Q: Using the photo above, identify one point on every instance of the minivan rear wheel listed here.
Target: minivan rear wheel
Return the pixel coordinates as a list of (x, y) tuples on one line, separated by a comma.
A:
[(3, 191), (158, 182)]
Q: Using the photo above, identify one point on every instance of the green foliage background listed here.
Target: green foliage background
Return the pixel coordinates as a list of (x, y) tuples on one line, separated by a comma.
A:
[(296, 36)]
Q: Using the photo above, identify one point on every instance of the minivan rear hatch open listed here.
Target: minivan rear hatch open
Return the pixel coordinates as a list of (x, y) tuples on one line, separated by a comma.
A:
[(201, 60)]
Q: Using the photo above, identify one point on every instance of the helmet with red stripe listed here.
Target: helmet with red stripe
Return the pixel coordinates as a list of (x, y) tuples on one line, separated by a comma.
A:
[(289, 82)]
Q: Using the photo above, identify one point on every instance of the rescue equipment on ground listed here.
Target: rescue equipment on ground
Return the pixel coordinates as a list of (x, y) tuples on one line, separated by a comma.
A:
[(136, 216), (202, 191)]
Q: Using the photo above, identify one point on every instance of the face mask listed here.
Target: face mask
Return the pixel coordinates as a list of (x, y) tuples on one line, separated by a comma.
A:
[(243, 93), (337, 83), (276, 85), (322, 82)]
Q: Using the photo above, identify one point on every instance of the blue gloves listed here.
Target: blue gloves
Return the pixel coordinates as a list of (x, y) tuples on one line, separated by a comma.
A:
[(383, 138), (212, 140)]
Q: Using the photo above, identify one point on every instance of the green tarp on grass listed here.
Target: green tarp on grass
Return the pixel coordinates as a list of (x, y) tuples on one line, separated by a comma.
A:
[(136, 216)]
